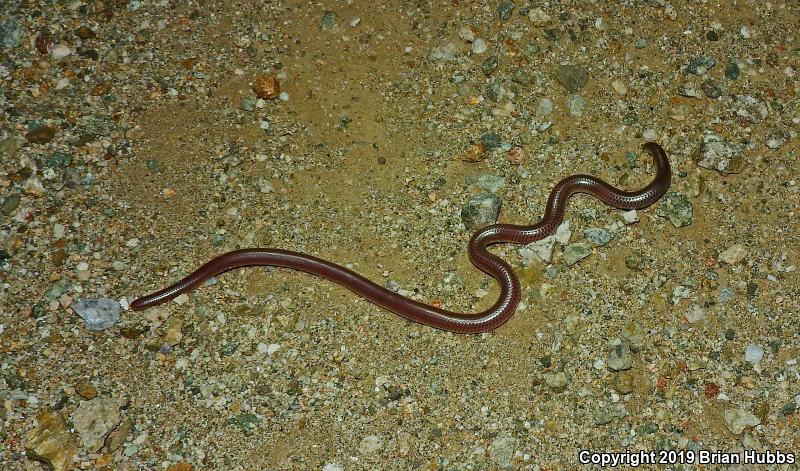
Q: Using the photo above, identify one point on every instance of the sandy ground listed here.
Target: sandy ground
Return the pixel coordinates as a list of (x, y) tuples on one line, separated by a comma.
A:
[(133, 148)]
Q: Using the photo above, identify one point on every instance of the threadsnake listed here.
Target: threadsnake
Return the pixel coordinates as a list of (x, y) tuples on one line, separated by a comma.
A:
[(510, 289)]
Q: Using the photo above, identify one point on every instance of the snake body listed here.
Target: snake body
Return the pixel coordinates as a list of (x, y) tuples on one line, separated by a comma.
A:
[(510, 290)]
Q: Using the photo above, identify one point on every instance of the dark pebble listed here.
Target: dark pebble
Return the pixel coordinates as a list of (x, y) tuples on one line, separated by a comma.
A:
[(730, 334), (41, 135), (490, 65), (492, 140), (504, 10), (84, 32), (731, 71)]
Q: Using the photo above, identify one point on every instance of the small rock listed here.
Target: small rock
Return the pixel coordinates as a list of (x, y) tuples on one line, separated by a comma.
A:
[(11, 32), (330, 20), (490, 65), (446, 53), (733, 254), (635, 261), (573, 253), (695, 314), (777, 138), (11, 144), (738, 420), (677, 208), (504, 10), (624, 382), (267, 87), (492, 140), (630, 217), (717, 153), (370, 444), (86, 390), (751, 108), (490, 183), (332, 467), (246, 422), (501, 451), (556, 381), (634, 333), (481, 211), (620, 358), (576, 105), (98, 314), (51, 442), (572, 77), (563, 233), (542, 249), (619, 86), (475, 153), (598, 236), (479, 46), (41, 135), (9, 205), (522, 77), (60, 51), (538, 17), (732, 71), (753, 354), (544, 107), (95, 419), (701, 65), (466, 34)]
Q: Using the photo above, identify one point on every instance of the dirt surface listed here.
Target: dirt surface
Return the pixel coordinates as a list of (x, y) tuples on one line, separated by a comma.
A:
[(133, 148)]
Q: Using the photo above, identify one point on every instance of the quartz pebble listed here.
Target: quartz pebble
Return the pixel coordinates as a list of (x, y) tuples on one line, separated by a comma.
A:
[(753, 354), (739, 419), (501, 451)]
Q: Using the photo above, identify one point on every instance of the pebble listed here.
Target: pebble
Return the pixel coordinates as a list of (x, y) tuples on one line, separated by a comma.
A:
[(501, 451), (490, 183), (620, 358), (370, 444), (267, 86), (751, 108), (739, 419), (11, 32), (541, 249), (717, 153), (538, 17), (479, 46), (504, 10), (576, 105), (481, 211), (753, 354), (598, 236), (476, 152), (41, 135), (679, 293), (733, 254), (573, 253), (695, 314), (677, 208), (635, 334), (95, 419), (732, 71), (777, 138), (492, 140), (466, 34), (51, 442), (330, 20), (556, 381), (563, 233), (332, 467), (619, 86), (12, 143), (630, 217), (98, 314), (725, 295), (522, 77), (572, 77), (490, 65), (446, 53), (60, 51), (700, 65)]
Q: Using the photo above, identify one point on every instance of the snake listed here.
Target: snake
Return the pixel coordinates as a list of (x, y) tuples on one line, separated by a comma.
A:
[(434, 315)]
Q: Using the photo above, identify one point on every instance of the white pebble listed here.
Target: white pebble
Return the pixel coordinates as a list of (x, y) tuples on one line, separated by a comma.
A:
[(62, 83), (132, 243), (650, 134), (61, 51), (283, 96), (479, 46), (59, 230), (753, 354), (466, 34), (272, 348), (744, 32), (83, 266), (619, 87), (630, 217), (355, 21)]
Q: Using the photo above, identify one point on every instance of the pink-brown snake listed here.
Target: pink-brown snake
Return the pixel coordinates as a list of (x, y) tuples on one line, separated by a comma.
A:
[(510, 290)]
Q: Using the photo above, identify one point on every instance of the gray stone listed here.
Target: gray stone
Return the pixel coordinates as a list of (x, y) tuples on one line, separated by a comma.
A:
[(572, 77), (777, 138), (11, 144), (717, 153), (481, 211), (98, 314), (490, 183), (598, 236), (701, 65), (677, 208), (576, 104), (556, 381), (330, 20), (573, 253), (11, 32)]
